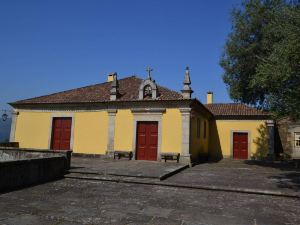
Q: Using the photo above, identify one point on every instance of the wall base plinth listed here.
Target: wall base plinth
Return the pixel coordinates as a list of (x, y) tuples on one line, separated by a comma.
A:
[(186, 159)]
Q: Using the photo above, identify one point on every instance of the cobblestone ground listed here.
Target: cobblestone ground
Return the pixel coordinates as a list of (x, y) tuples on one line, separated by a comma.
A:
[(71, 201)]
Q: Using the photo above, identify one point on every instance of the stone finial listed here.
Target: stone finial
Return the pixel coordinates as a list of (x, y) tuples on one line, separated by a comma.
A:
[(187, 90), (114, 91)]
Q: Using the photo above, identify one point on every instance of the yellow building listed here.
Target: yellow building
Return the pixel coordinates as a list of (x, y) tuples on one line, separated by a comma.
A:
[(132, 114), (238, 131)]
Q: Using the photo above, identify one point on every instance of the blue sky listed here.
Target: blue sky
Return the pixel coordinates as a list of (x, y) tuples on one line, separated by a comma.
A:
[(50, 46)]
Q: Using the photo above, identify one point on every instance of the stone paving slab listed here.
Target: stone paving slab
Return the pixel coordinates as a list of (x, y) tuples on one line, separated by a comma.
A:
[(125, 167), (242, 175), (70, 201)]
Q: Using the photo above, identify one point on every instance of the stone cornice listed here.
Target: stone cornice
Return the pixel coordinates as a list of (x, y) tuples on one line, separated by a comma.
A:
[(105, 105), (148, 110), (185, 110), (242, 117)]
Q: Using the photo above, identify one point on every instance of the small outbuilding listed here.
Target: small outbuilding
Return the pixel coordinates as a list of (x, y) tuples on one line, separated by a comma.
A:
[(288, 137)]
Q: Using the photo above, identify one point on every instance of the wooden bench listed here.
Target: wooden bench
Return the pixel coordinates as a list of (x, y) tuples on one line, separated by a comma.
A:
[(125, 154), (170, 156), (10, 144)]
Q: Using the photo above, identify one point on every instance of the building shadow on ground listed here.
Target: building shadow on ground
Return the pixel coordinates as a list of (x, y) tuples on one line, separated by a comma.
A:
[(26, 186), (289, 178), (280, 165)]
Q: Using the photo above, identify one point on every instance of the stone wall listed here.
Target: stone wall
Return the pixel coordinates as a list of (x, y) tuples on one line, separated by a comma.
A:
[(21, 168), (286, 129), (7, 153), (284, 136)]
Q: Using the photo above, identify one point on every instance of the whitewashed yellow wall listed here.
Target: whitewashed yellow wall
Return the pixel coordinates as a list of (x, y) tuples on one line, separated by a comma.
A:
[(221, 140), (90, 130), (199, 145), (123, 130), (32, 129), (171, 131)]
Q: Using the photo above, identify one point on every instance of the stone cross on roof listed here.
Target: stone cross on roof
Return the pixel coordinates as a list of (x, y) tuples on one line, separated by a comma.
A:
[(149, 70)]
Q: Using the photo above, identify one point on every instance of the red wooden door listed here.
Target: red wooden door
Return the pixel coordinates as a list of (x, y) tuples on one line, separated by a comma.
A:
[(146, 144), (240, 145), (61, 133)]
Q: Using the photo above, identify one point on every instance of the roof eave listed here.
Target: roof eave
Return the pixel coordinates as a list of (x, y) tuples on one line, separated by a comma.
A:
[(242, 117), (78, 104)]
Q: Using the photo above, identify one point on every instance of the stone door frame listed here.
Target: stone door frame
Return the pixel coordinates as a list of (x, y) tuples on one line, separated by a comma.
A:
[(144, 115)]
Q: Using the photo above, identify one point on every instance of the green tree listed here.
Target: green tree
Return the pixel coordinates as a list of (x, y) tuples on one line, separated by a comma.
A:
[(261, 58), (262, 143)]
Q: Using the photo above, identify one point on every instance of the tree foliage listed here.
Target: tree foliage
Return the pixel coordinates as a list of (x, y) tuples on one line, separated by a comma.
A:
[(261, 59)]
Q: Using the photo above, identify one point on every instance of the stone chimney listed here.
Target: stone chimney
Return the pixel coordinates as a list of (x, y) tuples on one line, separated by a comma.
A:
[(111, 77), (210, 97), (114, 91), (187, 90)]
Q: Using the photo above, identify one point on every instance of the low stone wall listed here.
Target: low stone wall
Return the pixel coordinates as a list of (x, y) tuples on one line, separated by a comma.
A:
[(24, 167), (24, 153)]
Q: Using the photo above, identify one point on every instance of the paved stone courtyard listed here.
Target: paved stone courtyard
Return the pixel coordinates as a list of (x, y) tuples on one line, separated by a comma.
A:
[(124, 167), (95, 199), (236, 174), (71, 201)]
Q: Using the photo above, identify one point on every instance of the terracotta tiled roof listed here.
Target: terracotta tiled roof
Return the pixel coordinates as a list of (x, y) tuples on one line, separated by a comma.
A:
[(128, 88), (234, 109)]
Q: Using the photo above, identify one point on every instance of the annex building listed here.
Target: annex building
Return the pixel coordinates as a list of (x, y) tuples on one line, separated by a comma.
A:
[(138, 115)]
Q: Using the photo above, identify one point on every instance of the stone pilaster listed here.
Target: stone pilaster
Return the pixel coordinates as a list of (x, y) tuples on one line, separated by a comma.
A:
[(111, 130), (270, 125), (14, 116), (185, 146)]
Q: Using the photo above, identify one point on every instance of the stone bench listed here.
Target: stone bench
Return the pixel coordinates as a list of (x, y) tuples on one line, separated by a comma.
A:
[(125, 154), (170, 156)]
